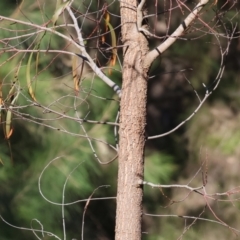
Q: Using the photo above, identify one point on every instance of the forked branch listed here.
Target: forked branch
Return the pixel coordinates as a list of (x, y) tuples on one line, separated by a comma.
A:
[(152, 55), (80, 45)]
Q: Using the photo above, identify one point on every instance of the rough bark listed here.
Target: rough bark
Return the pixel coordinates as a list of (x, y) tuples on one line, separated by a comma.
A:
[(132, 127)]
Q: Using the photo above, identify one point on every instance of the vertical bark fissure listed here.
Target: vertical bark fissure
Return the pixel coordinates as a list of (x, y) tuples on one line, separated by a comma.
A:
[(132, 127)]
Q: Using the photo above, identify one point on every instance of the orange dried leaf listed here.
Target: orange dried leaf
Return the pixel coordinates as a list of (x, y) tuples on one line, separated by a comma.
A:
[(9, 134)]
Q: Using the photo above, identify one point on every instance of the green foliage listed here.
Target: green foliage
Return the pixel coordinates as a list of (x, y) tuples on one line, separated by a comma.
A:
[(159, 167)]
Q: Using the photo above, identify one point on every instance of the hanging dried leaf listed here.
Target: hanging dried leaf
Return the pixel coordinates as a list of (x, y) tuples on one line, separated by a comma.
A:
[(77, 71), (28, 77), (12, 90), (75, 74), (113, 43), (8, 126), (107, 19), (11, 98), (58, 11)]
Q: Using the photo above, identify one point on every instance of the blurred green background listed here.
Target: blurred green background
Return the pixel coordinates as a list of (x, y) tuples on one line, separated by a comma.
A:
[(212, 136)]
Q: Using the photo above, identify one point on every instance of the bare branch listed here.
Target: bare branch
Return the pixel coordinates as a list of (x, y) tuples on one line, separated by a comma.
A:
[(80, 46), (215, 84), (90, 62), (172, 186), (183, 122), (30, 229), (63, 204), (191, 217), (152, 55)]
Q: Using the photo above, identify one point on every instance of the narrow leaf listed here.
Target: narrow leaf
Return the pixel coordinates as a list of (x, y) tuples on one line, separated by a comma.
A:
[(11, 92), (58, 11), (107, 19), (10, 98), (75, 73), (8, 127), (113, 43), (28, 77)]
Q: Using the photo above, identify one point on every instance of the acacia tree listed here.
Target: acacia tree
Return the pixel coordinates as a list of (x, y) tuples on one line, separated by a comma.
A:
[(67, 23)]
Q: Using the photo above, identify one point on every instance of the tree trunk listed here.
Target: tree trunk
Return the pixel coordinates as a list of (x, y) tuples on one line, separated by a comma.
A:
[(132, 127)]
